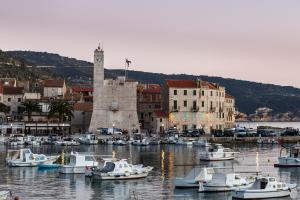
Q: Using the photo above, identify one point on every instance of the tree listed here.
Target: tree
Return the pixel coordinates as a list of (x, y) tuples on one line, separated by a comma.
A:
[(4, 108), (29, 107), (61, 109)]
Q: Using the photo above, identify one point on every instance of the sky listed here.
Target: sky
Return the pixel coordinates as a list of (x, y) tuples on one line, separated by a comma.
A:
[(257, 40)]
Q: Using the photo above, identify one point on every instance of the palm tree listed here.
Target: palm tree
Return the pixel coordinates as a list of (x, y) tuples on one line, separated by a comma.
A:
[(61, 109), (29, 107), (4, 108)]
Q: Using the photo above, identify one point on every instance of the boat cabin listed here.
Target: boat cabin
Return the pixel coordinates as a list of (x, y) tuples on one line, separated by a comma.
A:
[(267, 183), (77, 159), (23, 155)]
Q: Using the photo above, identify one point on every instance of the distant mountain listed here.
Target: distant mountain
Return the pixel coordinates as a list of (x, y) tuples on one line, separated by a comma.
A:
[(249, 95), (47, 59)]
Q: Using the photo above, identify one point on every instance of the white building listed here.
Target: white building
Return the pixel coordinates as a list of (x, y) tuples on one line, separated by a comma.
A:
[(195, 104), (55, 88), (114, 101)]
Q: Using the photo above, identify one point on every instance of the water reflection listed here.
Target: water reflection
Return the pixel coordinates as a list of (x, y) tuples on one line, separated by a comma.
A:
[(169, 161)]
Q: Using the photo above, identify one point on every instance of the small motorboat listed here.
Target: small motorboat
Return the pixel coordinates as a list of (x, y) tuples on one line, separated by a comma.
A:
[(142, 142), (201, 143), (267, 141), (217, 152), (88, 139), (120, 142), (67, 142), (5, 195), (263, 188), (114, 169), (290, 160), (222, 182), (32, 141), (78, 163), (194, 177), (183, 142), (25, 158)]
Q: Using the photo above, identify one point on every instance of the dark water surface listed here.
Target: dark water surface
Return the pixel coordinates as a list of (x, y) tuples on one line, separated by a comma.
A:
[(169, 161)]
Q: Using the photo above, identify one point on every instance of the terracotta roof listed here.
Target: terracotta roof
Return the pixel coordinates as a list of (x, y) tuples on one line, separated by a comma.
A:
[(181, 83), (12, 90), (86, 106), (209, 85), (228, 96), (82, 89), (54, 83)]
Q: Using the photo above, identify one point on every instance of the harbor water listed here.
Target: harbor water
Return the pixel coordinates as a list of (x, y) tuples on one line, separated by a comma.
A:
[(169, 161)]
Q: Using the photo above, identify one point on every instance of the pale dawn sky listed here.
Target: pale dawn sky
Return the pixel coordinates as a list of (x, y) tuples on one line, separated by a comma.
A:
[(256, 40)]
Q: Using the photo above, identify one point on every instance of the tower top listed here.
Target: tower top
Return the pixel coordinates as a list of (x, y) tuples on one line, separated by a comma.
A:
[(99, 48)]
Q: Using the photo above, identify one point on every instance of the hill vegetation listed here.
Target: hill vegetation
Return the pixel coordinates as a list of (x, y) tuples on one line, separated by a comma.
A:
[(249, 95)]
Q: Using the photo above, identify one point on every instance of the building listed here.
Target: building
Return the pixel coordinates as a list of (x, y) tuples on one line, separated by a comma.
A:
[(230, 111), (195, 104), (13, 97), (54, 89), (82, 112), (85, 93), (148, 101), (114, 101)]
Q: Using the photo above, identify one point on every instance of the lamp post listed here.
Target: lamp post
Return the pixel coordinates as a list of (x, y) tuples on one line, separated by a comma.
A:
[(113, 129)]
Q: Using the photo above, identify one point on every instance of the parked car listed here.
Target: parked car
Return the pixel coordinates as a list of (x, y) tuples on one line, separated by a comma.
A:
[(229, 132), (290, 132), (217, 133)]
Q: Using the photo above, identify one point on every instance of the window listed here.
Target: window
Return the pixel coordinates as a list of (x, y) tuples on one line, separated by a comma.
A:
[(194, 126), (9, 99), (175, 92), (185, 103), (203, 104), (142, 115), (160, 119), (211, 93), (19, 99), (194, 104), (184, 127), (211, 104), (149, 106), (194, 92), (185, 92), (202, 92), (152, 119), (175, 104)]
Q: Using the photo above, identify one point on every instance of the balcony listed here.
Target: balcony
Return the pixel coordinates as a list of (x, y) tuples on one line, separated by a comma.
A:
[(195, 108), (175, 108)]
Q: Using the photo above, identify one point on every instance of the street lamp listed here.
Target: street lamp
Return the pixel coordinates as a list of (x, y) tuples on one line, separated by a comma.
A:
[(113, 128)]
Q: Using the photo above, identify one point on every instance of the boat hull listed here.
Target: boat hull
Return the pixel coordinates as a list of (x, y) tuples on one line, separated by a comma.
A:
[(216, 158), (16, 163), (72, 169), (106, 177), (260, 195), (288, 162), (184, 183)]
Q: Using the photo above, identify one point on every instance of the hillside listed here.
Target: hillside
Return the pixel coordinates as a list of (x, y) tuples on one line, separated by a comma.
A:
[(249, 95)]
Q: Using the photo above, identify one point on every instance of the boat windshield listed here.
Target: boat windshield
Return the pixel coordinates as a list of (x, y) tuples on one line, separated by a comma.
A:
[(90, 158)]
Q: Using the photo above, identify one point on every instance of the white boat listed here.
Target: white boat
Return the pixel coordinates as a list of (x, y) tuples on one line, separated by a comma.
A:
[(16, 140), (182, 142), (217, 152), (120, 170), (143, 142), (67, 142), (267, 141), (78, 163), (25, 158), (110, 142), (290, 160), (265, 187), (222, 182), (5, 195), (193, 178), (88, 139), (31, 140), (201, 143), (120, 142)]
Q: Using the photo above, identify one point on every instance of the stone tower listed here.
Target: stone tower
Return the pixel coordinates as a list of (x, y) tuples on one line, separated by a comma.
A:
[(114, 101)]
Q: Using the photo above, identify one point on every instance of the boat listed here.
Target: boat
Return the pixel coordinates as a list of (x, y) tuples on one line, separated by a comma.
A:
[(110, 142), (31, 140), (192, 179), (182, 142), (88, 139), (290, 160), (16, 140), (223, 182), (217, 152), (142, 142), (5, 195), (67, 142), (267, 141), (120, 142), (25, 158), (201, 143), (48, 166), (114, 169), (263, 188), (78, 163)]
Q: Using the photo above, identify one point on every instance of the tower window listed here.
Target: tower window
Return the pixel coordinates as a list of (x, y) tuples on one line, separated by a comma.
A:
[(184, 92), (175, 92)]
